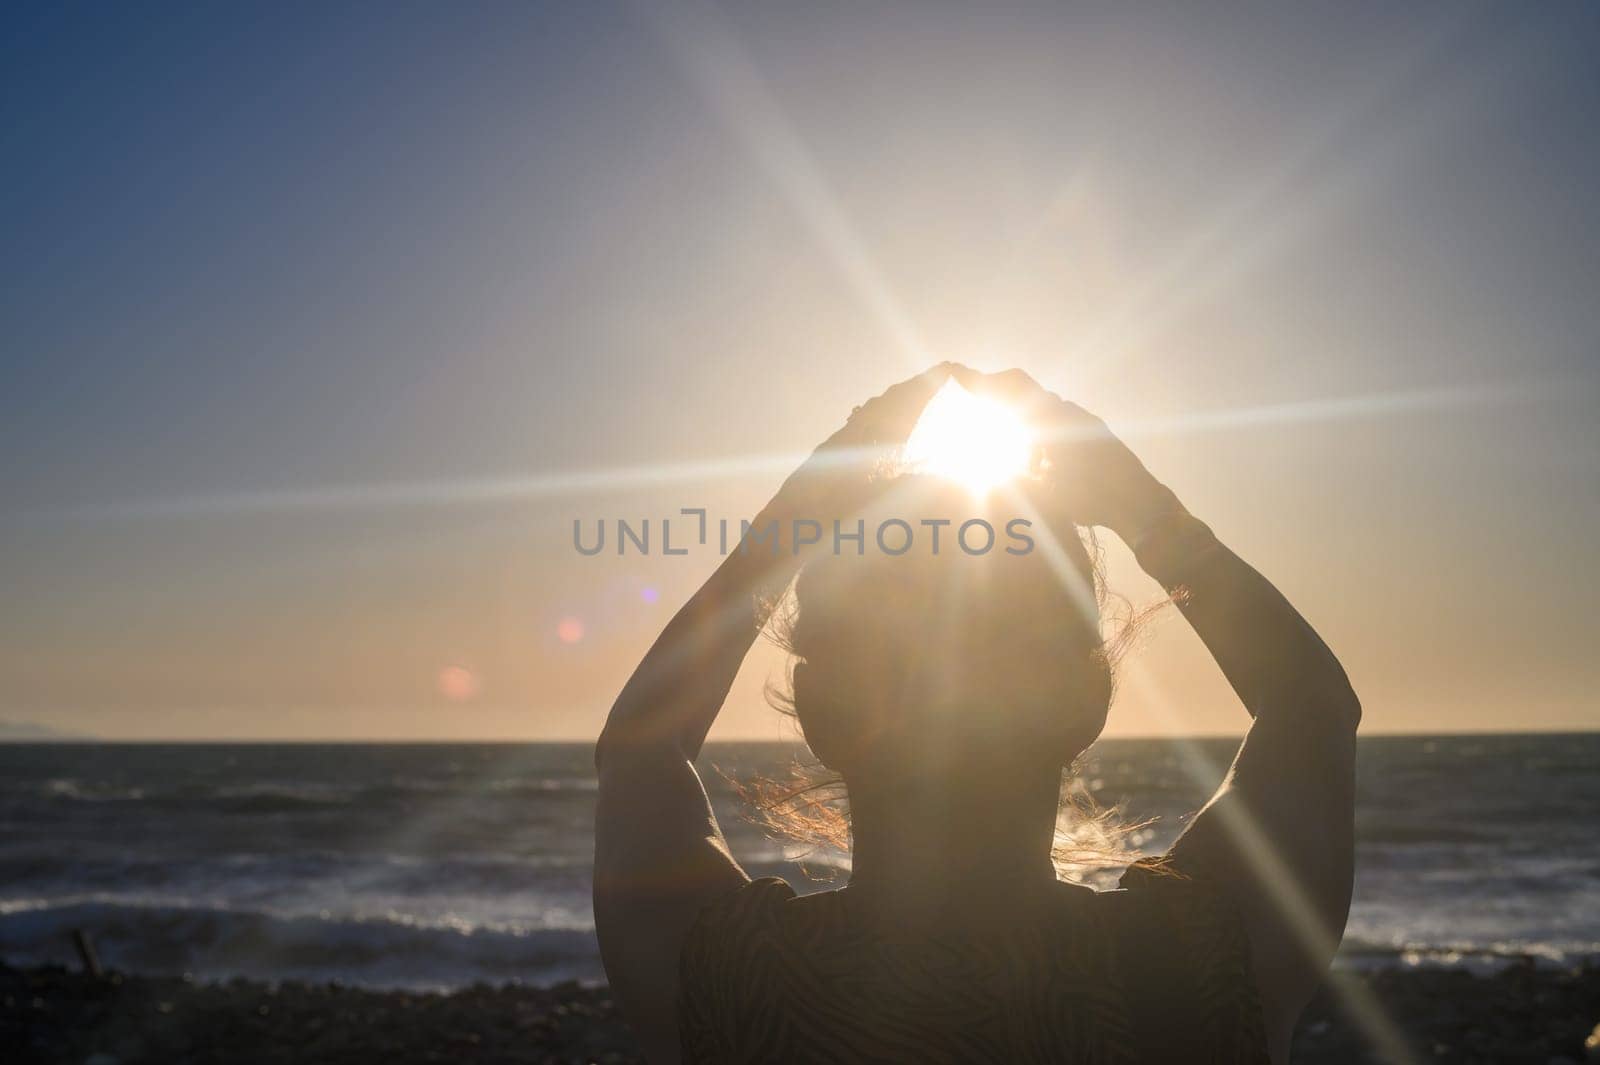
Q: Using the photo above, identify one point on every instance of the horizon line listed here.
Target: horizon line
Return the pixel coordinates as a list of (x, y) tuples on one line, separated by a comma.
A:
[(86, 740)]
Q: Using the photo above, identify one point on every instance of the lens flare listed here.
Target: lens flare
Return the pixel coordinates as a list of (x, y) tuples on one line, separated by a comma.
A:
[(458, 684), (976, 441)]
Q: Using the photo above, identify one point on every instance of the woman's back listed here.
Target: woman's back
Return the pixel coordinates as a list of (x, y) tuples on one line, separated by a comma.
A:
[(1153, 972)]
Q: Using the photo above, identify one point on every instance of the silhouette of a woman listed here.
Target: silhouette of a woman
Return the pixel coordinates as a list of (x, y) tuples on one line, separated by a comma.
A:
[(949, 691)]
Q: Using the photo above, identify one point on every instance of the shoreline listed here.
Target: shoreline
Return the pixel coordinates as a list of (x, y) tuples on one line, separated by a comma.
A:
[(1522, 1014)]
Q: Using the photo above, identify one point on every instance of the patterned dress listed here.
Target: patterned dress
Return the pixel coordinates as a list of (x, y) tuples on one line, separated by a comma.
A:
[(1158, 971)]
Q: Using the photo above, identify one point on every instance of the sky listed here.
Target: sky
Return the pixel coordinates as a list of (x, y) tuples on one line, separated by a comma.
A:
[(324, 323)]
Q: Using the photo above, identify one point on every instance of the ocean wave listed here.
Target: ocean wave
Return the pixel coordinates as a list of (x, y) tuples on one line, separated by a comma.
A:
[(293, 797), (543, 785), (1359, 954), (57, 873), (251, 799), (406, 865), (217, 942)]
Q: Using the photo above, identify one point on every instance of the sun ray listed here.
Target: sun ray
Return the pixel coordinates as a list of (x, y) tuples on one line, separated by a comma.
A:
[(512, 489), (1291, 899), (1300, 190), (1072, 580), (718, 65), (1340, 408), (402, 494)]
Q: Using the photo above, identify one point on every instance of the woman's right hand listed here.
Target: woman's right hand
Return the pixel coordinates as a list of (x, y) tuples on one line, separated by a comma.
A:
[(1092, 476)]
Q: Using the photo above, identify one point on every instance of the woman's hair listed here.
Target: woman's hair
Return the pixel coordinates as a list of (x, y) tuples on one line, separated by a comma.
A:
[(864, 632)]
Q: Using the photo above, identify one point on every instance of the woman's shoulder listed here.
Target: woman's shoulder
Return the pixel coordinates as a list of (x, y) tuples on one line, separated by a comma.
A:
[(751, 897), (742, 948), (739, 920), (1186, 903), (1184, 957), (754, 902)]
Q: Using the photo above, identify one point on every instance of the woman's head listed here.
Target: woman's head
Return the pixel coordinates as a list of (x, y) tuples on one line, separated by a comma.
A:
[(944, 660)]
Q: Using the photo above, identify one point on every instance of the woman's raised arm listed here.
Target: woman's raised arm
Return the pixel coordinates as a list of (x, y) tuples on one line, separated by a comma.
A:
[(1278, 834), (659, 855)]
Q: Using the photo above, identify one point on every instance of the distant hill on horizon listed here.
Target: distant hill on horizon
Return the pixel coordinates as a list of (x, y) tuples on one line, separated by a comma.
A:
[(33, 732)]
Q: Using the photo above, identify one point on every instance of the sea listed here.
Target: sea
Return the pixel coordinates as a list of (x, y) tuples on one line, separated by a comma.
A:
[(439, 866)]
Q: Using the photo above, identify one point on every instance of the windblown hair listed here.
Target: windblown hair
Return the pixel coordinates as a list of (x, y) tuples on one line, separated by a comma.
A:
[(811, 808)]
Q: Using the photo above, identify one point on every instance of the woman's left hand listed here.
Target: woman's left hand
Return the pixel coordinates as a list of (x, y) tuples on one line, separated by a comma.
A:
[(1092, 477), (838, 477)]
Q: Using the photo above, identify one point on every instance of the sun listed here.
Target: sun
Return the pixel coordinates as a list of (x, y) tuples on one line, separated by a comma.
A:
[(976, 441)]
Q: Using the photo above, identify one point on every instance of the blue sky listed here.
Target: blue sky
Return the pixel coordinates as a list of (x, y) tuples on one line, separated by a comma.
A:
[(296, 296)]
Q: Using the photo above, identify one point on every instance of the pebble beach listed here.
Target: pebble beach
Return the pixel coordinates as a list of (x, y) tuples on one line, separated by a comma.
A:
[(1520, 1016)]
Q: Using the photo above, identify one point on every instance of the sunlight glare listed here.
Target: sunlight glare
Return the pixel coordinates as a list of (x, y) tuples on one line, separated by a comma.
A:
[(976, 441)]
